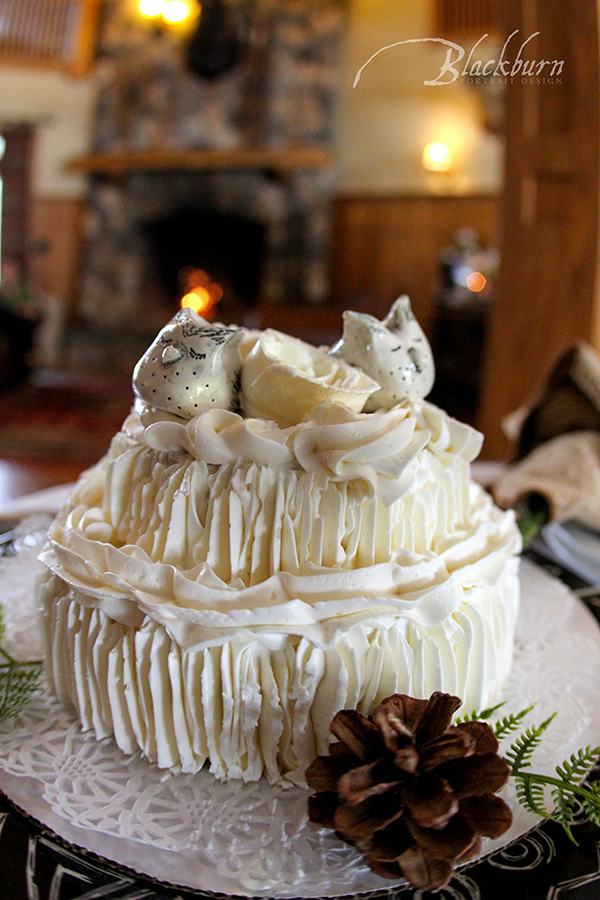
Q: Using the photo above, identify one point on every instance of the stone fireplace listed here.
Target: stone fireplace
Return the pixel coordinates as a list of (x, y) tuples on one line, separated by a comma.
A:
[(154, 220)]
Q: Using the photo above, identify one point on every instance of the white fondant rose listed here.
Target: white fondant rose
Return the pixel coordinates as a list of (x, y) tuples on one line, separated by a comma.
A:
[(284, 378)]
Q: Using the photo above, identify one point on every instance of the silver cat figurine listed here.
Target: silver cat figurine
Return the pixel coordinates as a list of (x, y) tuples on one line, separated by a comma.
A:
[(394, 351), (193, 365)]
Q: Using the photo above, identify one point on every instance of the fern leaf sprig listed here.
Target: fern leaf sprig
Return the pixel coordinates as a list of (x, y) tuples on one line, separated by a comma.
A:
[(530, 786), (591, 809), (565, 788), (18, 682), (510, 723), (587, 792), (519, 754), (501, 728), (564, 811), (534, 791), (530, 794), (578, 765), (477, 716)]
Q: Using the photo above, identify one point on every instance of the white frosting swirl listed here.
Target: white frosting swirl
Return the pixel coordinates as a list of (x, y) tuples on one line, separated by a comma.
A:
[(335, 441), (220, 436), (200, 610), (252, 707)]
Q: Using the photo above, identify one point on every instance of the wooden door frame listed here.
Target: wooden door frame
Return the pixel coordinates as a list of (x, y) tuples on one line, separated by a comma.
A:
[(519, 319)]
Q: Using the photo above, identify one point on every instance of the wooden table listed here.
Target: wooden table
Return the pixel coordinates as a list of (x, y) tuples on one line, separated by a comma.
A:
[(25, 477)]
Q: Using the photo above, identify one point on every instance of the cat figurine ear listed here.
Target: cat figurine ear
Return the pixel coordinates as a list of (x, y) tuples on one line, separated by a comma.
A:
[(395, 352), (192, 366)]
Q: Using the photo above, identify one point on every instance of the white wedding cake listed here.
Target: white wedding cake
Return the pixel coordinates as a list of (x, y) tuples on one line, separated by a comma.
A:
[(277, 532)]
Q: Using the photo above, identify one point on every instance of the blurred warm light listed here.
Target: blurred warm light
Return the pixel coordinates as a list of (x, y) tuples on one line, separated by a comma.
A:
[(476, 281), (199, 300), (437, 157), (176, 11), (173, 12), (151, 8), (202, 293)]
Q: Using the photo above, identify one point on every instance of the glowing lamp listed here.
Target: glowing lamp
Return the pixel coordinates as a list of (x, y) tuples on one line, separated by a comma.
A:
[(151, 8), (437, 157), (476, 281), (175, 11), (171, 12)]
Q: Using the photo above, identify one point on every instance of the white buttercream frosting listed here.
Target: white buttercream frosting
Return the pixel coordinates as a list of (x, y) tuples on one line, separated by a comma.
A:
[(219, 587), (252, 708)]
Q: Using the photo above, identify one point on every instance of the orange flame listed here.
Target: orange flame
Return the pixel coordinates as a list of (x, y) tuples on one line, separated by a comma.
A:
[(202, 294)]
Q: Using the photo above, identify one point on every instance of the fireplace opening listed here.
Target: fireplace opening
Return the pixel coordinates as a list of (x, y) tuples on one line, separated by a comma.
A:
[(214, 260)]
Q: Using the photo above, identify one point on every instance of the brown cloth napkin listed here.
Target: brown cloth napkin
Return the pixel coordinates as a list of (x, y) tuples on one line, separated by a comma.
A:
[(557, 442)]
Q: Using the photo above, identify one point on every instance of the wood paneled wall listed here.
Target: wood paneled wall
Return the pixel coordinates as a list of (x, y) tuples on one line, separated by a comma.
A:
[(382, 246), (385, 246)]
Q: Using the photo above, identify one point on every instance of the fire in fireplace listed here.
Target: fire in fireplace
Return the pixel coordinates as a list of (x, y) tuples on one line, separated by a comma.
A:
[(204, 258), (200, 292)]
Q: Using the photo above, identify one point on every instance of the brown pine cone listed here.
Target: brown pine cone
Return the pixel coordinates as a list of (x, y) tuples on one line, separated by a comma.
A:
[(412, 792)]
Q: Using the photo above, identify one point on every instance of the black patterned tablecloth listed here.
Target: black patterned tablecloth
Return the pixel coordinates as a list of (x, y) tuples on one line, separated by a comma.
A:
[(542, 865)]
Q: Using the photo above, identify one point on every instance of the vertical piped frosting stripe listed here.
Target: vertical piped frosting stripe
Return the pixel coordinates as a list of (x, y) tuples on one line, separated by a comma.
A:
[(252, 710)]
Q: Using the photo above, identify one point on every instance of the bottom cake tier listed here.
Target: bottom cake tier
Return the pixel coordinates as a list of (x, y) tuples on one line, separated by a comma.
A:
[(262, 705)]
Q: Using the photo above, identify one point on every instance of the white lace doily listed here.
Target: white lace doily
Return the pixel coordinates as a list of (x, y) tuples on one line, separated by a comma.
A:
[(249, 840)]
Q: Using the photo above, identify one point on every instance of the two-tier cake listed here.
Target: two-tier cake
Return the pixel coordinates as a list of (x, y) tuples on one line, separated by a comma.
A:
[(277, 532)]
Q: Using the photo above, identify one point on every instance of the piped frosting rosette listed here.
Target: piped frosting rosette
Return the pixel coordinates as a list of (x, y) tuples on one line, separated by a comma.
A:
[(375, 448)]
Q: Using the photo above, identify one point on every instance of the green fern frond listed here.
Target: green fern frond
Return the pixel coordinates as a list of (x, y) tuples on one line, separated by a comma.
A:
[(519, 754), (564, 810), (18, 682), (530, 794), (477, 716), (590, 799), (578, 765), (592, 810), (510, 723), (566, 789), (533, 790)]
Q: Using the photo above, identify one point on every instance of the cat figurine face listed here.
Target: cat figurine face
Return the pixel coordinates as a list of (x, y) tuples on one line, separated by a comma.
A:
[(395, 352), (192, 366)]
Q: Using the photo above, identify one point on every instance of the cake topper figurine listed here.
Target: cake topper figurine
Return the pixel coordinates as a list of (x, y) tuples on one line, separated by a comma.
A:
[(193, 365), (395, 352)]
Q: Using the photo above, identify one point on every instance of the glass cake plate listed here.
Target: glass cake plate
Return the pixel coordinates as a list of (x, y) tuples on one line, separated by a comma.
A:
[(192, 831)]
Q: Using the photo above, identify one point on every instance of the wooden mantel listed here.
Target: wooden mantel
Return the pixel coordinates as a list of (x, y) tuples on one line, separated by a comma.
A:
[(281, 160)]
